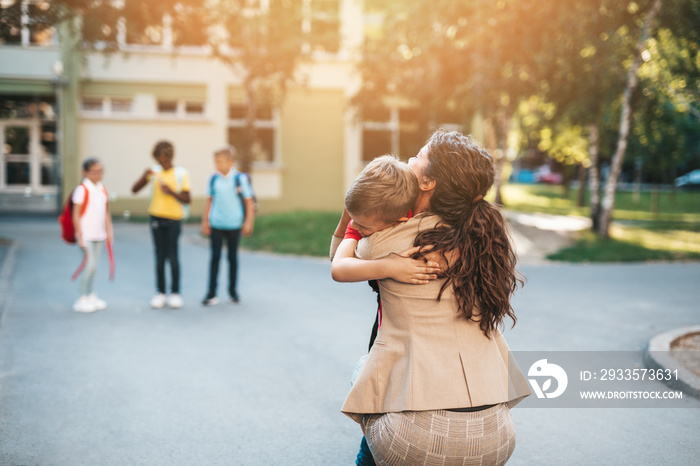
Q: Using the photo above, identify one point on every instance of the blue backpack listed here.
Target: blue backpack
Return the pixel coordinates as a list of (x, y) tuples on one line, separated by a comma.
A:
[(238, 188)]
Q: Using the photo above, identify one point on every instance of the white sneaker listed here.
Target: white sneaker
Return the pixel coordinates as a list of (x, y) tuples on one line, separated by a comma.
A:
[(158, 301), (97, 302), (84, 304), (175, 301)]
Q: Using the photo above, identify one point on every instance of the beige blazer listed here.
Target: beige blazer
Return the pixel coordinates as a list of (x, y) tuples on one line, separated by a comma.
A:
[(425, 357)]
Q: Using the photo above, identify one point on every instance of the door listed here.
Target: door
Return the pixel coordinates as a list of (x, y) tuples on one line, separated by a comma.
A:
[(28, 161)]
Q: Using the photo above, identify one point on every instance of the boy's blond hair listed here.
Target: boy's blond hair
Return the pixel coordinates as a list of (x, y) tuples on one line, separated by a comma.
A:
[(386, 189), (228, 150)]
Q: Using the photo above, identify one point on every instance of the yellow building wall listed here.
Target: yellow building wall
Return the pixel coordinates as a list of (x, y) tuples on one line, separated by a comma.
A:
[(125, 146), (312, 144), (311, 134)]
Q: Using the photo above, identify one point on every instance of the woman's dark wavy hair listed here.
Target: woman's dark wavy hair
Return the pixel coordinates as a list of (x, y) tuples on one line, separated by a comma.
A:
[(473, 231)]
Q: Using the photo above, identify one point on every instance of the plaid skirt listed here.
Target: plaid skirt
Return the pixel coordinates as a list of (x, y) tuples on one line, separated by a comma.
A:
[(442, 438)]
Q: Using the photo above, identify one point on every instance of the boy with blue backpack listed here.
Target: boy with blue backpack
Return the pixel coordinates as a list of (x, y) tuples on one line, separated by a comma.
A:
[(229, 210)]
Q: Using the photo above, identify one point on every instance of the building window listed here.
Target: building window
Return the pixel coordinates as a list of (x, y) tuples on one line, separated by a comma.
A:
[(149, 35), (266, 124), (411, 138), (379, 131), (181, 108), (92, 104), (48, 152), (120, 105), (396, 131), (400, 131), (167, 107), (28, 142), (38, 24), (25, 22), (194, 108), (16, 154), (11, 22), (106, 106)]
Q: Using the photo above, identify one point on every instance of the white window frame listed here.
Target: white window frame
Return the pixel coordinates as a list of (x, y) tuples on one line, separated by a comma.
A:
[(274, 124), (106, 110), (35, 159), (392, 126), (25, 36)]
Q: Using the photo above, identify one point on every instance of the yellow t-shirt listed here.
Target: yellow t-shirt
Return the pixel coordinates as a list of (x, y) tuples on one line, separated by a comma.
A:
[(163, 205)]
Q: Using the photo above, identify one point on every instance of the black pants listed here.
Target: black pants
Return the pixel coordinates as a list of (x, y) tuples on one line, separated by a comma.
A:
[(166, 233), (217, 239)]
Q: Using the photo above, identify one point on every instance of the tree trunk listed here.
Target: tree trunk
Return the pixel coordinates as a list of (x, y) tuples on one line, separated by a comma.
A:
[(594, 174), (246, 157), (581, 195), (625, 117), (566, 181)]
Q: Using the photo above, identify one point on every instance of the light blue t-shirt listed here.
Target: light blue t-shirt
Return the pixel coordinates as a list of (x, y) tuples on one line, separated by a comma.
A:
[(226, 207)]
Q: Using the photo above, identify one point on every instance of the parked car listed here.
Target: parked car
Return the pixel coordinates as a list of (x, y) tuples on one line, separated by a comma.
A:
[(544, 174), (690, 180)]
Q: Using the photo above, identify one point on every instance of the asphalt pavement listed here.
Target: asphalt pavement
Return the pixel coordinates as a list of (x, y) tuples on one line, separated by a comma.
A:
[(262, 382)]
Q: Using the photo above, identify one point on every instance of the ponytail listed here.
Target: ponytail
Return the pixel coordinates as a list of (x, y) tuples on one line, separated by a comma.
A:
[(481, 267), (472, 235)]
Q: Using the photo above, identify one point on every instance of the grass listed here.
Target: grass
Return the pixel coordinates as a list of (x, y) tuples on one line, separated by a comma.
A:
[(301, 232), (639, 234), (678, 207), (625, 245)]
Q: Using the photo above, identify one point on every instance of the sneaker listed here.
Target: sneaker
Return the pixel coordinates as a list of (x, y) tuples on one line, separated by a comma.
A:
[(175, 301), (235, 299), (158, 301), (84, 304), (97, 302), (213, 301)]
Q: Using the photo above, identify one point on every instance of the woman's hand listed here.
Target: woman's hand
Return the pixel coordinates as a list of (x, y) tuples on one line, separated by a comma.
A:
[(402, 268)]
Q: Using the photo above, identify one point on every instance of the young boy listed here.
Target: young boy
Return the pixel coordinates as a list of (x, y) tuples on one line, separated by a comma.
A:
[(93, 226), (229, 211), (170, 191), (381, 196)]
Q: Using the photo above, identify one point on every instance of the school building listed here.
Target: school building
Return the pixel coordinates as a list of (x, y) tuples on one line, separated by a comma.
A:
[(59, 106)]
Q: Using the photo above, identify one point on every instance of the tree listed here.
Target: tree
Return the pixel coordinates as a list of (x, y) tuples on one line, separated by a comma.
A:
[(625, 119), (456, 58), (588, 41), (261, 40)]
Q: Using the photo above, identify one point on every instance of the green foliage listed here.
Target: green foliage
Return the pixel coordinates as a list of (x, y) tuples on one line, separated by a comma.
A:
[(300, 232), (666, 129)]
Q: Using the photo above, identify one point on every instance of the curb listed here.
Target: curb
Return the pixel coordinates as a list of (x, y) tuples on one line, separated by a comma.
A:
[(658, 356), (7, 268)]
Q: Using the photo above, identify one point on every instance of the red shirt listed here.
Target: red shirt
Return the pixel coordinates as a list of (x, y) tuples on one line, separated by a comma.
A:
[(351, 233)]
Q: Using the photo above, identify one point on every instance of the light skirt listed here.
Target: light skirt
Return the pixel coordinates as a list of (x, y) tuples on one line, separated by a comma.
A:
[(432, 438)]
